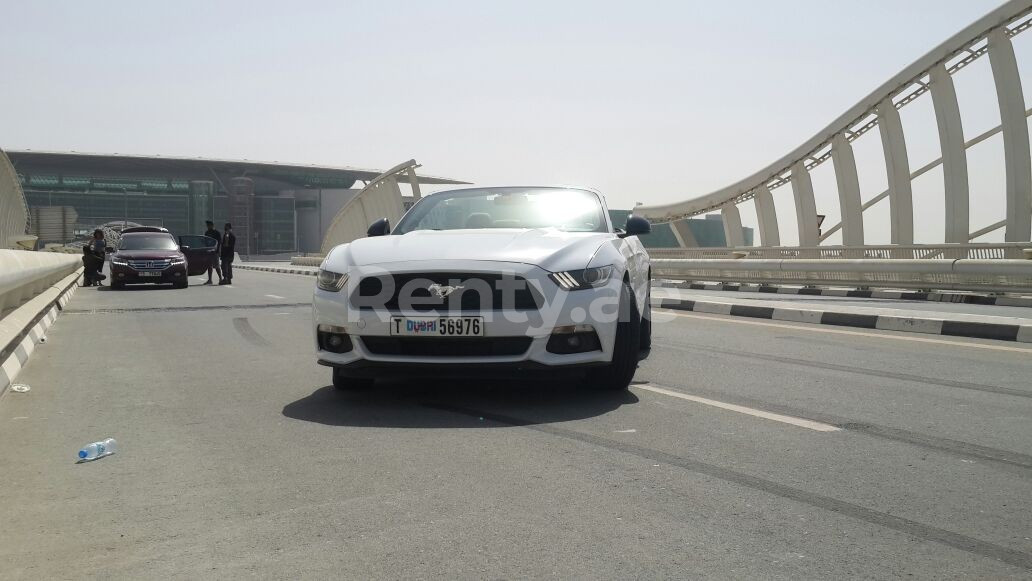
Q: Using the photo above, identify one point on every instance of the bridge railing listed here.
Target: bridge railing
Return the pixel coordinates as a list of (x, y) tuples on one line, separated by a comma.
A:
[(931, 74), (986, 251), (995, 276)]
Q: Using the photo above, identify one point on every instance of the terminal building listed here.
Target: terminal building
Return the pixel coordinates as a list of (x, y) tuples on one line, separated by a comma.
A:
[(275, 208)]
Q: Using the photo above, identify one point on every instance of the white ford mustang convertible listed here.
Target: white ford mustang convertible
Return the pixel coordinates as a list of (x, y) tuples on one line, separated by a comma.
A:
[(488, 281)]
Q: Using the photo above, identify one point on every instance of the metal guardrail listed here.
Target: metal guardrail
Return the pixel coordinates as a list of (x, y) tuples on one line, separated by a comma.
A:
[(985, 251), (24, 274), (962, 274)]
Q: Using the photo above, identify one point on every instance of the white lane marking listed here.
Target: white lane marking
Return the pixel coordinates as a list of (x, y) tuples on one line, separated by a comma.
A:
[(281, 313), (276, 297), (631, 431), (808, 424), (823, 329)]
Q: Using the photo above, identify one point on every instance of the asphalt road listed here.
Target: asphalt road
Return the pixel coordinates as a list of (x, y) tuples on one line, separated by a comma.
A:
[(747, 449)]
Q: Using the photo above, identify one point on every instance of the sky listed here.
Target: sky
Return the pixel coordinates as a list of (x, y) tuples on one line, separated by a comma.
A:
[(649, 102)]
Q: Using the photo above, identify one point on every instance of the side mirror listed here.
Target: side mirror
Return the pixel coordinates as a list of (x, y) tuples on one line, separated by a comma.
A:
[(109, 249), (636, 226), (381, 227)]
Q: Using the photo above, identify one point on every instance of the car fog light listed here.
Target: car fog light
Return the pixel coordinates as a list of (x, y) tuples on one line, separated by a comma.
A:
[(334, 341), (573, 339)]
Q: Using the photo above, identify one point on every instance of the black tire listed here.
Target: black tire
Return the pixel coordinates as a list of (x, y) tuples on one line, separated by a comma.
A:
[(184, 284), (617, 375), (342, 383), (117, 286)]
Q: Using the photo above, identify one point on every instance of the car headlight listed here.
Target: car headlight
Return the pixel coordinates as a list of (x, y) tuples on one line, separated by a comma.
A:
[(119, 262), (331, 281), (179, 260), (572, 280)]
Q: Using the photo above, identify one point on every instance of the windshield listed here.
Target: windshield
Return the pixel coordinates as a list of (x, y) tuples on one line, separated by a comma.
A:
[(564, 209), (148, 242)]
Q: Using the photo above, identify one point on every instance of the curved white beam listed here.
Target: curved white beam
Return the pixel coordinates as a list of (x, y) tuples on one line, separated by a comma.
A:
[(743, 189), (848, 191), (805, 207), (767, 217), (954, 154), (380, 198), (1015, 137), (733, 236), (897, 169)]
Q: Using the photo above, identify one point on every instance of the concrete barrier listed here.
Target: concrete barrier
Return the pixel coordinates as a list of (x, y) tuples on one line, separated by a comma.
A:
[(22, 329), (25, 274), (307, 260)]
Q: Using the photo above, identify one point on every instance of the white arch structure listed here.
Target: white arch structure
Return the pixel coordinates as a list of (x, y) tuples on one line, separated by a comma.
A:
[(14, 215), (990, 35), (380, 198)]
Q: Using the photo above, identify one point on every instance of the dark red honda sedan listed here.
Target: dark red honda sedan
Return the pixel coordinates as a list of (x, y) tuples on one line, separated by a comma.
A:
[(156, 257)]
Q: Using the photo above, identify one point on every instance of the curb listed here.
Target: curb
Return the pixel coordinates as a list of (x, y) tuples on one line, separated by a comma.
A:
[(283, 270), (939, 297), (18, 356), (955, 328)]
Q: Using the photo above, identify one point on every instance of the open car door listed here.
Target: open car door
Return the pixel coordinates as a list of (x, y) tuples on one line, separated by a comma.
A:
[(200, 251)]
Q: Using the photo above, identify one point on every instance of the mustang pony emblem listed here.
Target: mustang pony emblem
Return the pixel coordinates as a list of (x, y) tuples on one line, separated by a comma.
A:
[(442, 290)]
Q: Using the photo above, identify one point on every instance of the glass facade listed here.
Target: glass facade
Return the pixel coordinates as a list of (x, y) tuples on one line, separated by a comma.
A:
[(180, 205)]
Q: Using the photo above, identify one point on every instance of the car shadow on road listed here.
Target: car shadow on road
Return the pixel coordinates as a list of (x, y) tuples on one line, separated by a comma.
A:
[(466, 404), (136, 287)]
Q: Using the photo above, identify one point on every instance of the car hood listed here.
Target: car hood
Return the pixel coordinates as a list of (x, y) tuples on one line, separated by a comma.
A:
[(547, 248), (147, 254)]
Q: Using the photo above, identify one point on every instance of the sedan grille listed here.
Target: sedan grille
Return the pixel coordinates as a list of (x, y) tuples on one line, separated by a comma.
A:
[(159, 264), (447, 346), (472, 292)]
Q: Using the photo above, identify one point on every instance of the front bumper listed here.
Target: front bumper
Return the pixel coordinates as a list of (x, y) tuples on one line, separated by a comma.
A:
[(128, 275), (560, 309)]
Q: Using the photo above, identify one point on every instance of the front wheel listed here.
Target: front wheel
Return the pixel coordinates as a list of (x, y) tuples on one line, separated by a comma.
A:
[(617, 375), (182, 284), (343, 383)]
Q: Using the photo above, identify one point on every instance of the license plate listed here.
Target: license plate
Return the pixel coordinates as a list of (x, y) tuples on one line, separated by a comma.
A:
[(437, 326), (150, 274)]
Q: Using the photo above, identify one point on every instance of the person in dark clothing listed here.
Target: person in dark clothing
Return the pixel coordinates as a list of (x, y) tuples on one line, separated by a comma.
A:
[(211, 232), (93, 255), (226, 251), (91, 267)]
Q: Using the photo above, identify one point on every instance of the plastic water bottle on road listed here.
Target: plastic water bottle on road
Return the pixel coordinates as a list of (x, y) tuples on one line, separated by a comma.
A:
[(98, 450)]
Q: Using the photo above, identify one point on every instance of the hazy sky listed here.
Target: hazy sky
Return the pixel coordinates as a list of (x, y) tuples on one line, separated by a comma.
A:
[(647, 101)]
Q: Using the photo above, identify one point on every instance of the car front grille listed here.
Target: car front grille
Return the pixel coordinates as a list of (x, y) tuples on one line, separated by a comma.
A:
[(447, 346), (150, 264), (480, 292)]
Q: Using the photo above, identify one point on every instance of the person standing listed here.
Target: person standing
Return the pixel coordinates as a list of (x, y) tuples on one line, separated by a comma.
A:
[(211, 232), (94, 264), (226, 250)]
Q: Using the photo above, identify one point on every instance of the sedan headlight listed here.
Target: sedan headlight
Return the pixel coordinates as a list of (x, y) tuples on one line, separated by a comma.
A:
[(119, 261), (331, 281), (572, 280), (178, 260)]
